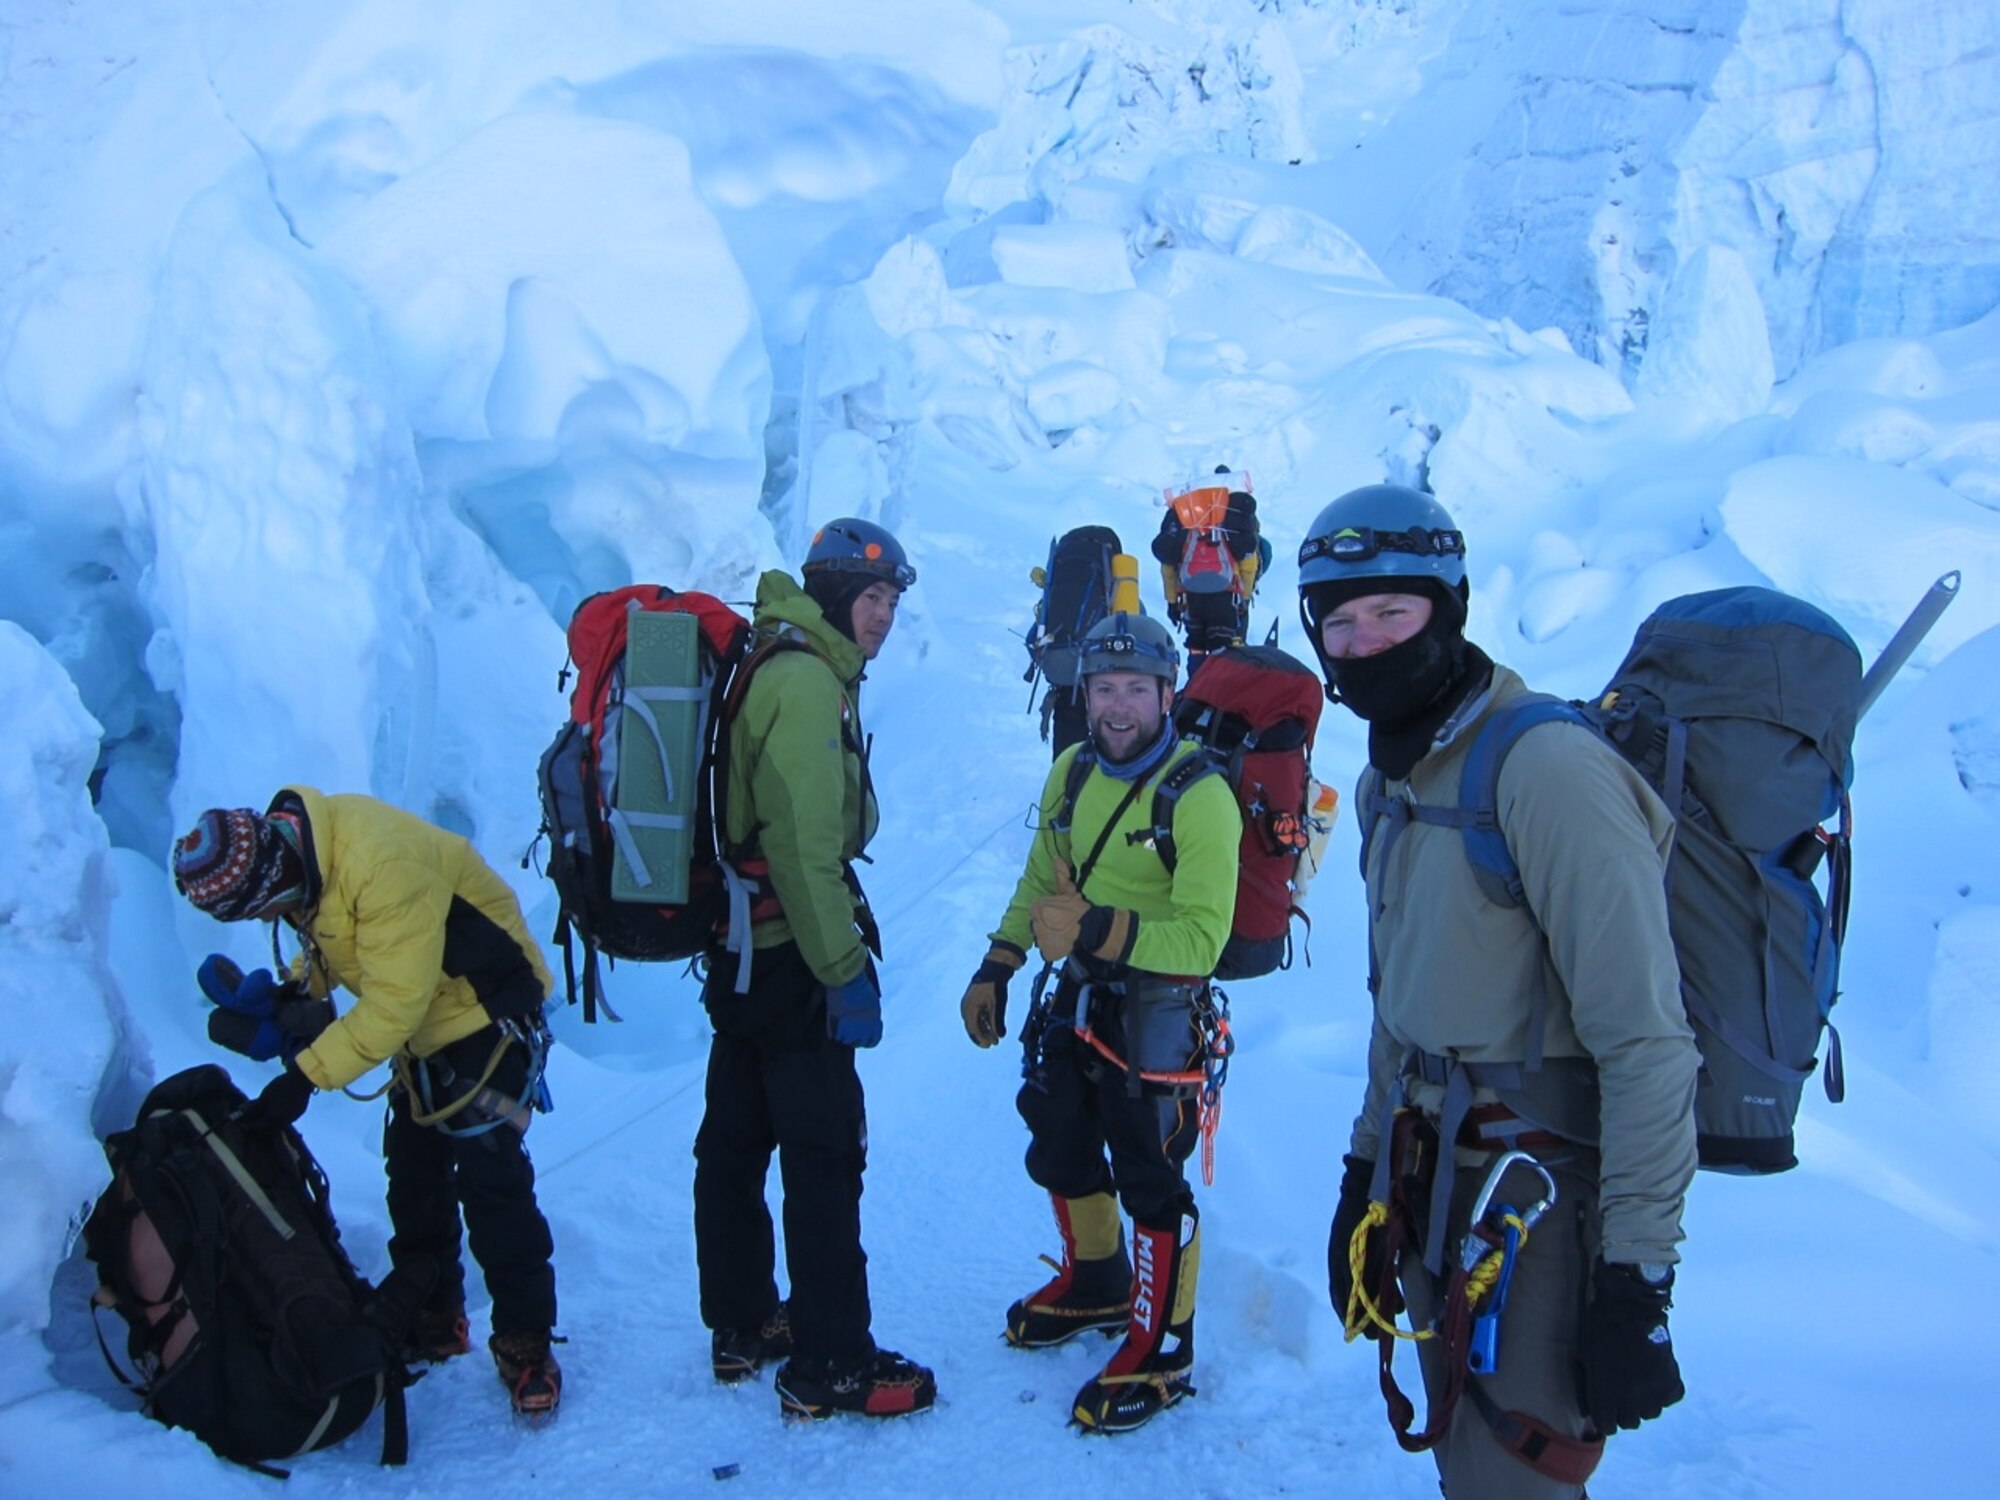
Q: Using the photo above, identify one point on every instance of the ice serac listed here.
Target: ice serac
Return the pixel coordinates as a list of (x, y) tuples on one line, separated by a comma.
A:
[(1564, 161), (278, 495), (56, 1034), (1107, 103), (577, 352), (1709, 345)]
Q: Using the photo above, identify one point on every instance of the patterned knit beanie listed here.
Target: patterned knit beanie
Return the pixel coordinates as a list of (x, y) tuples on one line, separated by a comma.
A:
[(235, 863)]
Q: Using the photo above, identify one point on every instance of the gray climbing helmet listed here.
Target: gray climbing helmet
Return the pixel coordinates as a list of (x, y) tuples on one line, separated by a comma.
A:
[(1129, 643)]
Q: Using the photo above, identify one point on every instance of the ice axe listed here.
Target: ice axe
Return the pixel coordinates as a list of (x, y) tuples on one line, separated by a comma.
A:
[(1905, 640)]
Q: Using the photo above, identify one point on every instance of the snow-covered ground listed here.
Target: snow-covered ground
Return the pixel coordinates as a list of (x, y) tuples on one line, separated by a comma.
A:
[(341, 355)]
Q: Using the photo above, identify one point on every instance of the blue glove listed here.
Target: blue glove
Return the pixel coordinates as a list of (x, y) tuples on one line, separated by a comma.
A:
[(854, 1010), (254, 994), (245, 1019)]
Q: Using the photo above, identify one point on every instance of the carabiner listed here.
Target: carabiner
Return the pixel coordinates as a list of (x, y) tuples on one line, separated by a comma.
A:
[(1474, 1249), (1533, 1215)]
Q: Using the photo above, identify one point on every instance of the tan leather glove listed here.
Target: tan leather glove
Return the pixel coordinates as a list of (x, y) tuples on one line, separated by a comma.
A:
[(1065, 923), (984, 1008), (1055, 919)]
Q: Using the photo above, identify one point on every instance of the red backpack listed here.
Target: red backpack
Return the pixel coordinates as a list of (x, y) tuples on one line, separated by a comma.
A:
[(1255, 709), (1206, 565), (579, 783)]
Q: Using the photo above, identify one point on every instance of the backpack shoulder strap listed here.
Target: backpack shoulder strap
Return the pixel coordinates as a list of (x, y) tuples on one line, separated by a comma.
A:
[(1478, 810), (1477, 814), (1166, 802), (739, 680), (1073, 780)]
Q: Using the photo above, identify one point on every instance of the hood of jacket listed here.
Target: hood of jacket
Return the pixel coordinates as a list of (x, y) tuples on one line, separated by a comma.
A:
[(782, 605)]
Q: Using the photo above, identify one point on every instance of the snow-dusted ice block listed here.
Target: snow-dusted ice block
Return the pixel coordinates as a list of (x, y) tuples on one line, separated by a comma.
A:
[(1082, 257), (571, 252), (55, 1027)]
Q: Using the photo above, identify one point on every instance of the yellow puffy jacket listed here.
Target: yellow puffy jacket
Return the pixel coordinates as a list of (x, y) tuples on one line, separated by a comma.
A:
[(414, 924)]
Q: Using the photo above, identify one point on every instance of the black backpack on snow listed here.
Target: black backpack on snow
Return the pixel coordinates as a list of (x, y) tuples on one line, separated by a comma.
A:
[(247, 1323), (1738, 706)]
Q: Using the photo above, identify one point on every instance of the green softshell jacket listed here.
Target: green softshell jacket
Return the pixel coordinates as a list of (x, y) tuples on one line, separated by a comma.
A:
[(797, 795), (416, 926), (1184, 917), (1459, 975)]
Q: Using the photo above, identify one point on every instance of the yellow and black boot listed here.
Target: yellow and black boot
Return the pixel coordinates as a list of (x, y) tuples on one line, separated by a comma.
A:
[(1153, 1367), (1093, 1281)]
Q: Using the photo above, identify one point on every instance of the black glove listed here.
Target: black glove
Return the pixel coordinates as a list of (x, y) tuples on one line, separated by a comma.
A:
[(1347, 1217), (1630, 1374), (284, 1099)]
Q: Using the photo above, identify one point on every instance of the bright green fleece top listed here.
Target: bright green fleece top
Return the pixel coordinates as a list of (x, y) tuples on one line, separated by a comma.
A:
[(796, 793), (1184, 917)]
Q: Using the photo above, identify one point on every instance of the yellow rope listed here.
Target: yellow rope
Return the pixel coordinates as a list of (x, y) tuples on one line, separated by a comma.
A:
[(1358, 1299), (1359, 1302), (1480, 1282)]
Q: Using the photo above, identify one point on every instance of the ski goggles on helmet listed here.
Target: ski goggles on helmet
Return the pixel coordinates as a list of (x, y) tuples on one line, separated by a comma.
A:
[(856, 546), (900, 574), (1357, 544), (870, 561)]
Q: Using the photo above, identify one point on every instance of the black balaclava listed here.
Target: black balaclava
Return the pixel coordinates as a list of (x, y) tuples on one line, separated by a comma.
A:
[(835, 591), (1408, 691)]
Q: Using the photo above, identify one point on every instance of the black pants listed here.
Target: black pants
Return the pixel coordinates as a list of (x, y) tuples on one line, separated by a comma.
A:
[(1064, 719), (777, 1082), (1092, 1131), (433, 1176), (1214, 621)]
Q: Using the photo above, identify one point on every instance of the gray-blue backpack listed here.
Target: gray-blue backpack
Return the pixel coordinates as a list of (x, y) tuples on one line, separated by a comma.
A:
[(1738, 706)]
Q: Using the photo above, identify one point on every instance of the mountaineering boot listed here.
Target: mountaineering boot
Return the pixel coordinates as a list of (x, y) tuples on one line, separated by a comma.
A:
[(529, 1370), (883, 1384), (739, 1353), (1150, 1370), (1093, 1281), (442, 1334)]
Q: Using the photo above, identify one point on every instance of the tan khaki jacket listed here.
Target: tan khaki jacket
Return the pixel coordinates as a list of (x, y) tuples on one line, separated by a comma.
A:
[(1460, 975)]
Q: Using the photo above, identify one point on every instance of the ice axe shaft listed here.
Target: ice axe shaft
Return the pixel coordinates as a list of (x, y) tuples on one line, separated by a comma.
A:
[(1906, 639)]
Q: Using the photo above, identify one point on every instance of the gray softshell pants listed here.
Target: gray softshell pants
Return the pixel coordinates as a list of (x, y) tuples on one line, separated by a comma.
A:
[(1537, 1371)]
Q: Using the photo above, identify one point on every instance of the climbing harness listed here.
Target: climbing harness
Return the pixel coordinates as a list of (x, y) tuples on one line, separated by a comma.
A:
[(429, 1080), (1474, 1300), (1201, 1080)]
